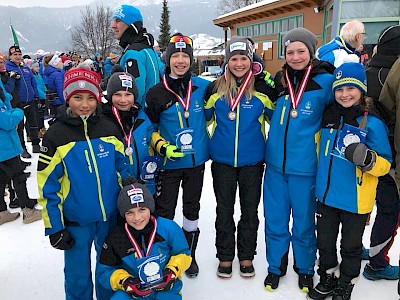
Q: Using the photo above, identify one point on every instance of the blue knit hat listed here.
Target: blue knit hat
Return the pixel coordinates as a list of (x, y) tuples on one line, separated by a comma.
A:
[(127, 14), (350, 74)]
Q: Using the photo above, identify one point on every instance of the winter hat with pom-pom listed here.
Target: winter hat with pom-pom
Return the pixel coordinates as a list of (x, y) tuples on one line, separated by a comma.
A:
[(81, 80)]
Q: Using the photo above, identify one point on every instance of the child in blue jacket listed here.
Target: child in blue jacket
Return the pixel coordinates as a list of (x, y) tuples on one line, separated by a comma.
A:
[(354, 152), (145, 257), (80, 169)]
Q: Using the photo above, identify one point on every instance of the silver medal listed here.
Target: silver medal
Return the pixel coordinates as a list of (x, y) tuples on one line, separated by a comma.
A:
[(128, 151)]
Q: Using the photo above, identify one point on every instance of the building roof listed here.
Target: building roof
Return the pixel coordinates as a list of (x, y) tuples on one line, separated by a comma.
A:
[(263, 9)]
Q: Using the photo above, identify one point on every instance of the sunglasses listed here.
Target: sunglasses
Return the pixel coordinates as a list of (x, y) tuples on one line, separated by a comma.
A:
[(181, 41)]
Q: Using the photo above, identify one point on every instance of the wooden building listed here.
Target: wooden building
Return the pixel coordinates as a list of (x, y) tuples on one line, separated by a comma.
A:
[(268, 21)]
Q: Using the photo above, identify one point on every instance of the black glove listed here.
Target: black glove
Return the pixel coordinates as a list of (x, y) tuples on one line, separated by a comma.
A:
[(169, 280), (62, 240), (360, 155), (14, 75), (132, 287)]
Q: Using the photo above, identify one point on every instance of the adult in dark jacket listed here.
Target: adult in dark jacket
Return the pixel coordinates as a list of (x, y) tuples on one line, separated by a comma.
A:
[(27, 92), (387, 197)]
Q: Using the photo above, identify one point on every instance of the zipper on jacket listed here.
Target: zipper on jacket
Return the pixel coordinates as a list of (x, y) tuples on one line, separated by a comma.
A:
[(285, 135), (328, 183), (137, 156), (96, 170), (192, 154), (88, 161), (236, 136)]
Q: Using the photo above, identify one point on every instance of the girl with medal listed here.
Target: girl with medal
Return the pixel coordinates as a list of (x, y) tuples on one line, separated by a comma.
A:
[(144, 257), (346, 185), (238, 111), (175, 106), (304, 89), (134, 126)]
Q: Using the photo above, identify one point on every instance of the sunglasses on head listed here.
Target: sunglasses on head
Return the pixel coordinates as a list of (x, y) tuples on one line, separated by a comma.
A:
[(181, 39)]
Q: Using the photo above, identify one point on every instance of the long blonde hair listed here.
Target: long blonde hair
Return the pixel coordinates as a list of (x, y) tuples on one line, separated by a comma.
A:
[(226, 85)]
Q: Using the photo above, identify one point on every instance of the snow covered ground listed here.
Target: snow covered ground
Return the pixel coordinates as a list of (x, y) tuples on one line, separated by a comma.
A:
[(30, 269)]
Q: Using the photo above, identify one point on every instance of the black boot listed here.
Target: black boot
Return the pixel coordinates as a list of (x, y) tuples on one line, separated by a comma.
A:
[(325, 287), (192, 239), (343, 291)]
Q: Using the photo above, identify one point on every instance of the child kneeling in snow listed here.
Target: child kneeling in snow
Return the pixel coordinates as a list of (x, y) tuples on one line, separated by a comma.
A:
[(145, 256)]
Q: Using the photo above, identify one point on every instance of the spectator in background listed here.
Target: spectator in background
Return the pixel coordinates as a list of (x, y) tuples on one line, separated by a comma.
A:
[(41, 103), (98, 64), (390, 97), (54, 71), (110, 61), (138, 58), (27, 92), (10, 164), (346, 47), (385, 225)]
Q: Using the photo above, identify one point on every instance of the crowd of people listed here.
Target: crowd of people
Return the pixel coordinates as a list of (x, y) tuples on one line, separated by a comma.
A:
[(118, 138)]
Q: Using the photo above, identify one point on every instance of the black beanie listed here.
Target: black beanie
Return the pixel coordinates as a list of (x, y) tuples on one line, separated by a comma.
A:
[(389, 41), (135, 195), (179, 46), (121, 81)]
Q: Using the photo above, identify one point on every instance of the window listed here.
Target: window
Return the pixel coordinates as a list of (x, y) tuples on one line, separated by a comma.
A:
[(285, 25), (250, 31), (270, 29), (276, 26), (256, 30), (262, 29)]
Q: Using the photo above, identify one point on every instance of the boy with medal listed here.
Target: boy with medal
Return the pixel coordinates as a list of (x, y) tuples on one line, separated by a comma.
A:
[(175, 106), (346, 188), (134, 125), (146, 256)]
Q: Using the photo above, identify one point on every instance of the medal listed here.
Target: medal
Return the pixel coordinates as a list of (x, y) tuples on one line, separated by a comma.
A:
[(231, 115), (128, 151), (293, 113), (295, 99), (234, 102), (127, 138), (185, 104)]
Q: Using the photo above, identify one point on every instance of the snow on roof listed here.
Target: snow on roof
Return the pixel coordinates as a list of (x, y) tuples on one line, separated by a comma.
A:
[(255, 5)]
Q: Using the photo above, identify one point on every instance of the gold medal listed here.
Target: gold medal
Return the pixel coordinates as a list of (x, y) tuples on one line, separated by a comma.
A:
[(231, 115), (293, 113), (186, 114)]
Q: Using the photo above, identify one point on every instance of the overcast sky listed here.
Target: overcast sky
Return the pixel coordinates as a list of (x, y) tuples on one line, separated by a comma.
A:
[(44, 3)]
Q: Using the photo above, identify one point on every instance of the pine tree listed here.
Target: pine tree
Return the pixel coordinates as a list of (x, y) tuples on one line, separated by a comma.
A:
[(163, 38)]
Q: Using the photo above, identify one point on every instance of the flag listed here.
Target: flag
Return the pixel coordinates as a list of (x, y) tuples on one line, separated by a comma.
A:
[(14, 35)]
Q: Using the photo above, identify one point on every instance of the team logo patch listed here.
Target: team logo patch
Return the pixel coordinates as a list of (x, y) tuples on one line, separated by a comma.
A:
[(134, 191), (237, 46), (119, 13), (82, 84), (339, 75), (101, 148), (137, 198), (180, 45), (287, 43)]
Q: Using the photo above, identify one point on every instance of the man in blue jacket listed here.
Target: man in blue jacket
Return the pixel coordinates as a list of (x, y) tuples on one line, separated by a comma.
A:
[(27, 92), (138, 57)]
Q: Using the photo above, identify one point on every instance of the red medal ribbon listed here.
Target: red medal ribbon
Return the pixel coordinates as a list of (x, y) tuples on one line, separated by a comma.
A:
[(135, 243), (127, 138), (234, 102), (184, 104), (296, 99)]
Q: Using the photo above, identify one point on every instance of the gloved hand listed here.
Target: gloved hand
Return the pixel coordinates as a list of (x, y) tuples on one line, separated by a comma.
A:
[(172, 152), (132, 287), (62, 240), (359, 154), (169, 280), (14, 75)]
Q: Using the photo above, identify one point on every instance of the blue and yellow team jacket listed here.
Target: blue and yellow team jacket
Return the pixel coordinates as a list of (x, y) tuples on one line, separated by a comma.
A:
[(239, 142), (119, 260), (80, 168), (293, 142), (167, 116), (340, 183)]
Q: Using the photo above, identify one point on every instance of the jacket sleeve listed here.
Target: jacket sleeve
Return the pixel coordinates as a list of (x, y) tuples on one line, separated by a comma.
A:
[(390, 97), (135, 65), (49, 175), (59, 83), (9, 119)]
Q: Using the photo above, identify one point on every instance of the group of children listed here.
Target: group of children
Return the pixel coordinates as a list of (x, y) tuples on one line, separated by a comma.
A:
[(322, 115)]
